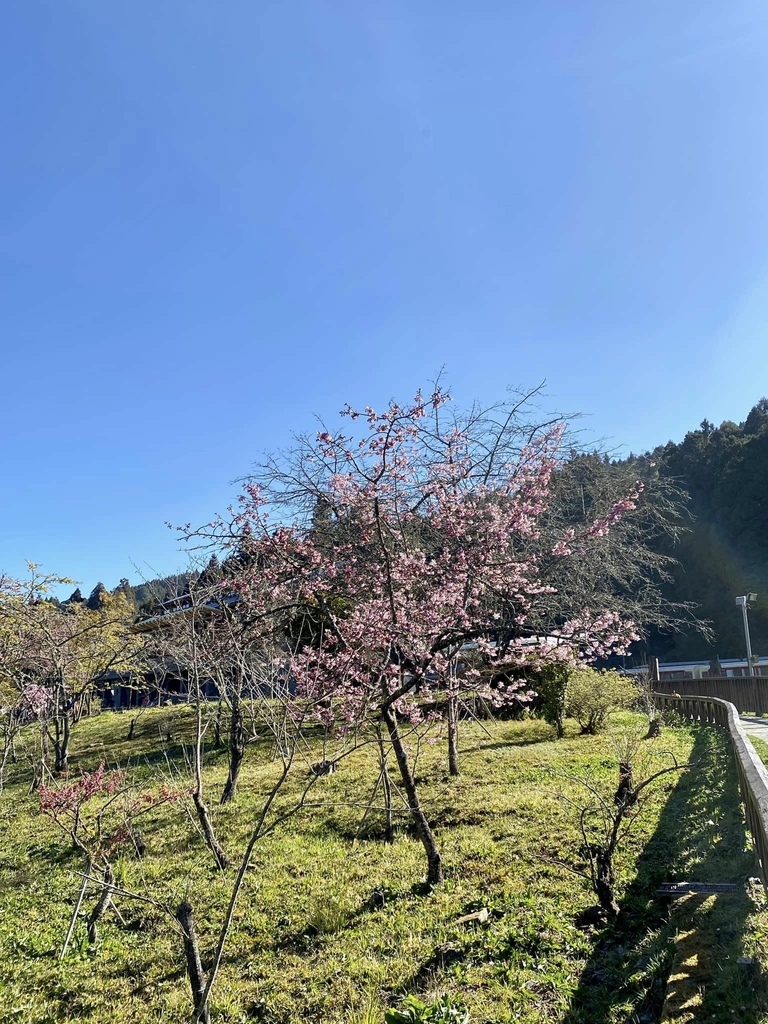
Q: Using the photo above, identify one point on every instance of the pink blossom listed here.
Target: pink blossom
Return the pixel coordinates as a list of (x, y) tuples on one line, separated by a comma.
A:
[(430, 561)]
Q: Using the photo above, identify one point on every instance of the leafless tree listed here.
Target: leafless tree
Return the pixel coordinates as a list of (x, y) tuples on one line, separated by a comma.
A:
[(605, 819)]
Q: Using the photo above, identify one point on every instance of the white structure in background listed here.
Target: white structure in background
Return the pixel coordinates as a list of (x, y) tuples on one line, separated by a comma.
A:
[(731, 667)]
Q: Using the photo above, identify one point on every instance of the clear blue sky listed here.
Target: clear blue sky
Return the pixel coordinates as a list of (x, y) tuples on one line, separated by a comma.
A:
[(219, 218)]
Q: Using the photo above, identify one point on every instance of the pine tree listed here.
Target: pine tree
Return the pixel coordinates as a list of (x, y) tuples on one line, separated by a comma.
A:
[(210, 575), (98, 598), (757, 421)]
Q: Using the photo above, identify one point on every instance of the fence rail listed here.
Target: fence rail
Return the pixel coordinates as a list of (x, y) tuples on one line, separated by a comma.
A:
[(753, 777), (748, 693)]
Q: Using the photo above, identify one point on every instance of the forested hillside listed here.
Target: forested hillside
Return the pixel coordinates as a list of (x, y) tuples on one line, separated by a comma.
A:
[(141, 598), (725, 552)]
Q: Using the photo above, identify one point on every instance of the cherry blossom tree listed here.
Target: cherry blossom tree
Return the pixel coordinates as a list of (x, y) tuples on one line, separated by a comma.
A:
[(175, 639), (98, 812), (411, 539), (64, 649)]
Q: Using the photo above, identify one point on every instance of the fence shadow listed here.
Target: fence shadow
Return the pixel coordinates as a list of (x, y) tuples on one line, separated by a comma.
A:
[(700, 836)]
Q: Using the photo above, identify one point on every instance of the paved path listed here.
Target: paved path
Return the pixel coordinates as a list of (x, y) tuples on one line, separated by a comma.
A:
[(755, 726)]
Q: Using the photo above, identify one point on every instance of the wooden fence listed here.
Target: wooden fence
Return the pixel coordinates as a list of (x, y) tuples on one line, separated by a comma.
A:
[(748, 693), (753, 777)]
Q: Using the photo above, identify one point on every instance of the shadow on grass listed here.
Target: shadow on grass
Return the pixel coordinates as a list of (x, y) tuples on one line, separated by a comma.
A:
[(515, 741), (700, 837)]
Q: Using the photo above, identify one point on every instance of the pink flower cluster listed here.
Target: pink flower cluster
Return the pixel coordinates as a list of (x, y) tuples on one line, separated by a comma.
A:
[(34, 700), (602, 527), (427, 557), (594, 635), (57, 799)]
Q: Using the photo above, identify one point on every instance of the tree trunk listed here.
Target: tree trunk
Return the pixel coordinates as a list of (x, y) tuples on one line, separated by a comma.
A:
[(423, 830), (222, 861), (453, 734), (624, 796), (217, 741), (9, 753), (654, 728), (101, 906), (61, 743), (62, 724), (76, 909), (604, 882), (194, 964), (236, 750), (389, 833), (38, 773)]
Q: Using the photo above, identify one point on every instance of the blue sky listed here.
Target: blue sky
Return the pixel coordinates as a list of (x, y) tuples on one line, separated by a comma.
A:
[(221, 218)]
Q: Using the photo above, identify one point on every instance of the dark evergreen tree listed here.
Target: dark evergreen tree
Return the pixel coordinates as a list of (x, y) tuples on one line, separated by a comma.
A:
[(211, 574), (757, 421), (126, 591), (98, 598), (724, 553)]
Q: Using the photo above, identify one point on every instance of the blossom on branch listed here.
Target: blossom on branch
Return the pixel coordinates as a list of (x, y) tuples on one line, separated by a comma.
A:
[(436, 541)]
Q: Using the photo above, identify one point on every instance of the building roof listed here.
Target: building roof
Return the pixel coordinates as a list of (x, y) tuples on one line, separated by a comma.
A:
[(183, 605)]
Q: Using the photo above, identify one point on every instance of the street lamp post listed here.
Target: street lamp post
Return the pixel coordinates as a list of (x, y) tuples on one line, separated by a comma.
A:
[(744, 602)]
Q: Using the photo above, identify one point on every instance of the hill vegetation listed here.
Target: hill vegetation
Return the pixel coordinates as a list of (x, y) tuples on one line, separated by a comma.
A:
[(724, 553)]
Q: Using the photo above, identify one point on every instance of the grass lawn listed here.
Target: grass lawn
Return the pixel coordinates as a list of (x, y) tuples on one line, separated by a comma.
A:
[(333, 925)]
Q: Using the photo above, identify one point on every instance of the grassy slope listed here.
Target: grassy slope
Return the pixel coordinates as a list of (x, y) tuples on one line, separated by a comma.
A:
[(309, 942)]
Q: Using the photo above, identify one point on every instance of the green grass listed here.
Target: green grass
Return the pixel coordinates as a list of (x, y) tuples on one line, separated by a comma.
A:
[(761, 747), (333, 928)]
